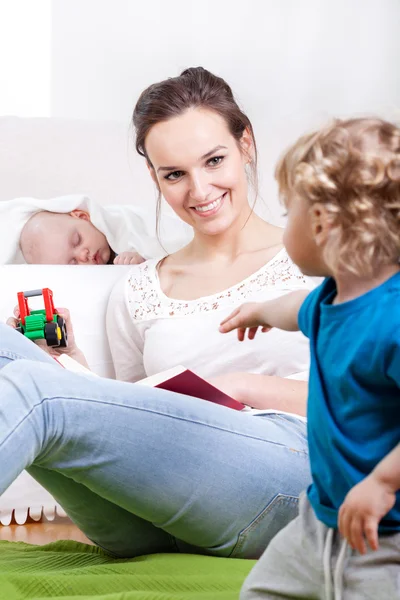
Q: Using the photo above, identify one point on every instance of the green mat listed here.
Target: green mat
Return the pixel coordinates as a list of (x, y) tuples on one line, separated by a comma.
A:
[(75, 571)]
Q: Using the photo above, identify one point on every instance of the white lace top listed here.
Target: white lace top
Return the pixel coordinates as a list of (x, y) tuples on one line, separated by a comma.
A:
[(150, 332)]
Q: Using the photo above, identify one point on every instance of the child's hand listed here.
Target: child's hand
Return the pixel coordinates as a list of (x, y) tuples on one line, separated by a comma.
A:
[(128, 258), (363, 508), (249, 316)]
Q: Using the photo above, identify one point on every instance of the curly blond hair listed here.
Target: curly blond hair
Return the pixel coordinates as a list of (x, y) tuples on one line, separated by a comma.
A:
[(352, 167)]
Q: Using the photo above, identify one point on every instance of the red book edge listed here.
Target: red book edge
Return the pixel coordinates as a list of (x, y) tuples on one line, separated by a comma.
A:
[(190, 384)]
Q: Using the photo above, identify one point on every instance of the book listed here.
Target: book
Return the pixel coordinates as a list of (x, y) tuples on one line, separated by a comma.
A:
[(178, 379), (73, 365), (184, 381)]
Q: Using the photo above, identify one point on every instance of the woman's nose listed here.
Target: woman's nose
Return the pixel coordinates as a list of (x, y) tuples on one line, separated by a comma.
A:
[(198, 188)]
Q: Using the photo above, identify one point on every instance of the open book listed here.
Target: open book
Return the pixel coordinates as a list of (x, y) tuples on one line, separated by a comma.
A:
[(183, 381), (179, 380)]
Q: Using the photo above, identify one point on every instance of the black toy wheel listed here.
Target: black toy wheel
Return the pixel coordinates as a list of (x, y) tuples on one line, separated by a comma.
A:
[(64, 335), (50, 334)]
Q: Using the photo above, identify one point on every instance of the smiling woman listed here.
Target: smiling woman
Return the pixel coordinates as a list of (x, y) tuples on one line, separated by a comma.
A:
[(142, 470)]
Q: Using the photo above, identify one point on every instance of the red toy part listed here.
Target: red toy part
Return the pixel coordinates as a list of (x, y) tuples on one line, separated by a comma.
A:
[(23, 307), (48, 304), (24, 310)]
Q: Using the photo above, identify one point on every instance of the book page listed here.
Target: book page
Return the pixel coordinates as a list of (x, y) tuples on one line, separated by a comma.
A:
[(158, 378), (72, 365)]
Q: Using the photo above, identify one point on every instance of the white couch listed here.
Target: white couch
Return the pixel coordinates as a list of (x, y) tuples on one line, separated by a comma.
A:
[(45, 158)]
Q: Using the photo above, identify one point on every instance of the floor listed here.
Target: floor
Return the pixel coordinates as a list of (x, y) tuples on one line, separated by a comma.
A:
[(43, 532)]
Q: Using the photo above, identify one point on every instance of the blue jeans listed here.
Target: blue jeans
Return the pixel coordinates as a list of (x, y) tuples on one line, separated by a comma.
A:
[(141, 470)]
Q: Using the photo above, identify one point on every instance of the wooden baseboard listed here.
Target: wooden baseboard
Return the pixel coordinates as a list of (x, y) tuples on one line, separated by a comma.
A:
[(43, 532)]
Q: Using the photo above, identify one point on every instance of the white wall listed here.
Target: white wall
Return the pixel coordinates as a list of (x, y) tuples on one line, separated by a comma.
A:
[(282, 58), (291, 63), (25, 57)]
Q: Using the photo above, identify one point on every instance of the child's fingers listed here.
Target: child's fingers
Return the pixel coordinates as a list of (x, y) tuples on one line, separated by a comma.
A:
[(241, 333), (229, 317), (119, 260), (252, 333), (16, 311), (371, 532), (231, 322), (266, 328), (343, 522), (356, 539), (137, 259)]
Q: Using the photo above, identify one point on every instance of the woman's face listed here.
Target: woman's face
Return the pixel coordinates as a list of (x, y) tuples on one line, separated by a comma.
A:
[(200, 169)]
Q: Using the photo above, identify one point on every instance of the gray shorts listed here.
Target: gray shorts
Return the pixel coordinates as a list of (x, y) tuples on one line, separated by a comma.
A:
[(308, 560)]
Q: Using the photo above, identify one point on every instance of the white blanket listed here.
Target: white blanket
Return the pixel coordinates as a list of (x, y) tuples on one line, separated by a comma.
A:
[(126, 227)]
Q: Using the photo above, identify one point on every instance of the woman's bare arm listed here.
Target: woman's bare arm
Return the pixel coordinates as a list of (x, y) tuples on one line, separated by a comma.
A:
[(265, 391)]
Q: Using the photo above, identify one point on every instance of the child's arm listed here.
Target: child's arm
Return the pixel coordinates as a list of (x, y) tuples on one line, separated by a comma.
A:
[(369, 501), (281, 312)]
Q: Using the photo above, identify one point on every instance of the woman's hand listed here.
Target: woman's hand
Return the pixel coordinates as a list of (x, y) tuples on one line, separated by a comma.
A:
[(251, 316), (72, 349), (128, 258)]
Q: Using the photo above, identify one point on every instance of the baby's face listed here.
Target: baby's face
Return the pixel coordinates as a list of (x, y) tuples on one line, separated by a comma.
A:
[(65, 239)]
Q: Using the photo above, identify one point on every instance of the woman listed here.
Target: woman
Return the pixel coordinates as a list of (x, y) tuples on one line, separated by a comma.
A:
[(142, 470)]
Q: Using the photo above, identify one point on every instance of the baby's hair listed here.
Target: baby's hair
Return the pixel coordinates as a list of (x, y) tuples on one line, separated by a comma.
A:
[(352, 167)]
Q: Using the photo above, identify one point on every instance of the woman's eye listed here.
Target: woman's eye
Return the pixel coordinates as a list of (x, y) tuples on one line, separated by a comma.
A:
[(215, 160), (174, 175)]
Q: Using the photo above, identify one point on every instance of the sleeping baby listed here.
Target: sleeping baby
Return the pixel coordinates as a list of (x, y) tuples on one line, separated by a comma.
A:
[(69, 239), (75, 230)]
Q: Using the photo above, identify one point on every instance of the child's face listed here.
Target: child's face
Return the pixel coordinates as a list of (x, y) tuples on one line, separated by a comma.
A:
[(299, 238), (66, 239)]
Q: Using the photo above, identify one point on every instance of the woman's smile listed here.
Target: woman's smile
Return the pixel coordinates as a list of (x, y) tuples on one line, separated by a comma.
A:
[(209, 209)]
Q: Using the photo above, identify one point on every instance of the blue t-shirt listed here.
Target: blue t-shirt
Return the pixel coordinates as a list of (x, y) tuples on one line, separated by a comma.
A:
[(354, 391)]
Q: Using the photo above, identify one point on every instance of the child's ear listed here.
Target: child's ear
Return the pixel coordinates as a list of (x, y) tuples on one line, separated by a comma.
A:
[(320, 223), (80, 214)]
